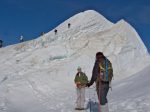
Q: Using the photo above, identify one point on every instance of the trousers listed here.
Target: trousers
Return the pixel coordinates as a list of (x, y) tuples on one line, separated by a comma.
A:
[(80, 97), (102, 91)]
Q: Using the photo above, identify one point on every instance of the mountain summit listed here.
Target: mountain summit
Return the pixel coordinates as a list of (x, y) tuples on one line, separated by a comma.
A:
[(86, 19), (89, 29)]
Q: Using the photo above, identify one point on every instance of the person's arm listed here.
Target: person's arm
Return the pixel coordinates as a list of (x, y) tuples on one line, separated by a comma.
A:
[(94, 73), (75, 79)]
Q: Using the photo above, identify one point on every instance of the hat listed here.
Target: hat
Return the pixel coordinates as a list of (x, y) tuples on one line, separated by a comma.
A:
[(79, 67), (99, 54)]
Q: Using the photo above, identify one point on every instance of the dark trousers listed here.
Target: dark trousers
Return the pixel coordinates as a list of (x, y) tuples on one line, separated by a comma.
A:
[(102, 91)]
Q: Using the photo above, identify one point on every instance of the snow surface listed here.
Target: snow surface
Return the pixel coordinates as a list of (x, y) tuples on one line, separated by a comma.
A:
[(37, 75), (132, 94)]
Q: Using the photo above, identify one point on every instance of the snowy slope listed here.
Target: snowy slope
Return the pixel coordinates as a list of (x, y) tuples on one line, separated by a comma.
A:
[(132, 94), (37, 76)]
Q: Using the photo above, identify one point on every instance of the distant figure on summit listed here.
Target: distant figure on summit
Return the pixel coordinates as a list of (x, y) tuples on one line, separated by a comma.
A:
[(21, 39), (42, 33), (1, 43), (69, 25), (55, 31)]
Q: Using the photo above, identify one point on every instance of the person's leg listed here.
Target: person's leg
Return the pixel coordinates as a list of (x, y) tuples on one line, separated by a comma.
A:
[(103, 94), (103, 97), (102, 91), (82, 97), (106, 89), (99, 88), (78, 98)]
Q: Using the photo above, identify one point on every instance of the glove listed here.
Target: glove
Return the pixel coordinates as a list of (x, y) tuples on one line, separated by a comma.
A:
[(88, 85)]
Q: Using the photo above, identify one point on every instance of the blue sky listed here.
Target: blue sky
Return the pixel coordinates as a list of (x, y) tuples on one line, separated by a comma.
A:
[(31, 17)]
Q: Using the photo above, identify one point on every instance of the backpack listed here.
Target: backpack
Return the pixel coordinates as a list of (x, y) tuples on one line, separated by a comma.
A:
[(106, 71)]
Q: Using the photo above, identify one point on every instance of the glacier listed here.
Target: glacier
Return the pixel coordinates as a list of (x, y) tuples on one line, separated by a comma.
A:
[(37, 75)]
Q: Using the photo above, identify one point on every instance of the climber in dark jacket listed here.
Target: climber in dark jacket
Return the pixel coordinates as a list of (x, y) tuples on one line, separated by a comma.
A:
[(102, 75)]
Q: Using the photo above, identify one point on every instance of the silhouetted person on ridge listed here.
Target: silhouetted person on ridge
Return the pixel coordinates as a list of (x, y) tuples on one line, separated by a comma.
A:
[(69, 25), (42, 33), (1, 43), (21, 39), (55, 31)]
